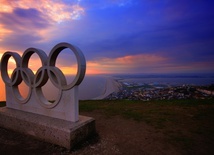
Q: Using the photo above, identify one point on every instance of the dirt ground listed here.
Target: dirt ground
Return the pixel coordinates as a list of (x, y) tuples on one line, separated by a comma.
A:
[(116, 135)]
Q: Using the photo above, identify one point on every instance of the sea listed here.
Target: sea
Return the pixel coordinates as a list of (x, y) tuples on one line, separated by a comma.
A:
[(94, 86), (169, 79)]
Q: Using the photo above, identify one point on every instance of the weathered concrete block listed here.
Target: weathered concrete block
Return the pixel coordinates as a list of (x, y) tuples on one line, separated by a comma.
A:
[(53, 130)]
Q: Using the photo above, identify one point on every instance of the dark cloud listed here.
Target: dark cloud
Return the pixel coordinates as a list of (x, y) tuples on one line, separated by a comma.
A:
[(27, 13), (24, 25), (24, 19), (20, 41)]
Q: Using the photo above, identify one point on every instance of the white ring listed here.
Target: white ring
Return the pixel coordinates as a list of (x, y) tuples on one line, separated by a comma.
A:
[(48, 70)]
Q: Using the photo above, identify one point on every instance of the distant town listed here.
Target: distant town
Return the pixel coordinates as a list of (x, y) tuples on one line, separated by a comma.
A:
[(154, 91)]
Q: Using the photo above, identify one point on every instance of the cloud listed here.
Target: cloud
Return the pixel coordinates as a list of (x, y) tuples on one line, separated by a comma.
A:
[(126, 64), (147, 63), (54, 10), (22, 19), (27, 23)]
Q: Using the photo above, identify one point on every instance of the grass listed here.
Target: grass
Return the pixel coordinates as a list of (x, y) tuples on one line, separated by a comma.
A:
[(156, 113), (185, 123), (153, 112)]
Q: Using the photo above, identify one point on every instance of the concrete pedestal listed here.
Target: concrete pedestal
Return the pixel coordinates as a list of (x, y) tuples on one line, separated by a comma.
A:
[(53, 130)]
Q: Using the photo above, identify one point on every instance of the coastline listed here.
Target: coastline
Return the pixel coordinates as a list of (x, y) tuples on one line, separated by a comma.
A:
[(98, 87), (111, 86)]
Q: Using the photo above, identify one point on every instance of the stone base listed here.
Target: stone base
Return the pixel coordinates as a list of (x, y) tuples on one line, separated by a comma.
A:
[(52, 130)]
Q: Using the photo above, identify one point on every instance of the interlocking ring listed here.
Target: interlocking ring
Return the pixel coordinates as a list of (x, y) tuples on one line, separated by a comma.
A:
[(48, 70)]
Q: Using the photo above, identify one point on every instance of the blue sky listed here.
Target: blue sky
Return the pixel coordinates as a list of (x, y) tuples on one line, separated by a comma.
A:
[(116, 36)]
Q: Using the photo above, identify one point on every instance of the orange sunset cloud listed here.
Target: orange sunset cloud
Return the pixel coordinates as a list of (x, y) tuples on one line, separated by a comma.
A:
[(124, 64), (54, 10)]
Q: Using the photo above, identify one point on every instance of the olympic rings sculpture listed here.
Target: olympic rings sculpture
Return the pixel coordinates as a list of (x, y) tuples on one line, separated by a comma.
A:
[(48, 70)]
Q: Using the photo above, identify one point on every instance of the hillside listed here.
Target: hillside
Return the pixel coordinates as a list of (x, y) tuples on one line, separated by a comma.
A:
[(133, 127)]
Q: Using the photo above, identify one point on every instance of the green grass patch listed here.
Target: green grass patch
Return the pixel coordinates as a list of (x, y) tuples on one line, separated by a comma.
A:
[(159, 114), (153, 112), (181, 121)]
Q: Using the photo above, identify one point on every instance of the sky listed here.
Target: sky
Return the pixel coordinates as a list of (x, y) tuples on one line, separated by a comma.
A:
[(116, 36)]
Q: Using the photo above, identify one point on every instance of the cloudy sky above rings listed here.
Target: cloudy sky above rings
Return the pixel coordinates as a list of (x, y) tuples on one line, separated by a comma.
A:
[(116, 36)]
